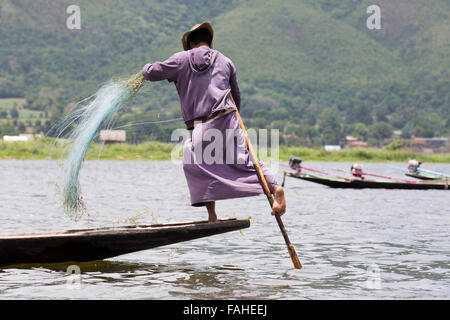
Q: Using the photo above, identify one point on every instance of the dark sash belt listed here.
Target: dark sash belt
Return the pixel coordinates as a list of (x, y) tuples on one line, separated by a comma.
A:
[(214, 116)]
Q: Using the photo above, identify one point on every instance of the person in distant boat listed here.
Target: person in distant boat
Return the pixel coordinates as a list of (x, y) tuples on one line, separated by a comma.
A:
[(357, 170), (413, 166), (204, 79)]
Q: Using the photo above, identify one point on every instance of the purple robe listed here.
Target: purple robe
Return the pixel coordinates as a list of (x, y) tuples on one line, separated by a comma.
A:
[(216, 161)]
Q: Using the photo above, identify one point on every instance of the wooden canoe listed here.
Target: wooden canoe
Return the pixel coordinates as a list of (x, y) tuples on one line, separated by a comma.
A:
[(368, 183), (101, 243), (425, 176)]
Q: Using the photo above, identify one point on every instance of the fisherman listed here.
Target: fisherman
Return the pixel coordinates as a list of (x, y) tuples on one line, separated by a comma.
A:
[(357, 170), (413, 166), (205, 79)]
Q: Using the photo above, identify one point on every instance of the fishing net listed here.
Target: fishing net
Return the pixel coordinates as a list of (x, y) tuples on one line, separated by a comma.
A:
[(89, 119)]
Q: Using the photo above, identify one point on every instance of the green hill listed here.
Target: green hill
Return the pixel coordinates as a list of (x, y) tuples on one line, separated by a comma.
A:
[(310, 68)]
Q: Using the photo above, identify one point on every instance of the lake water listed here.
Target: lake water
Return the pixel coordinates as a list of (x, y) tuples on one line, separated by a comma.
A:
[(353, 244)]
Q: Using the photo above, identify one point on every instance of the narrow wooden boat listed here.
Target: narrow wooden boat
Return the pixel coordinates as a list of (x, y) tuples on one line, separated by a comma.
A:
[(358, 183), (425, 176), (101, 243), (415, 171)]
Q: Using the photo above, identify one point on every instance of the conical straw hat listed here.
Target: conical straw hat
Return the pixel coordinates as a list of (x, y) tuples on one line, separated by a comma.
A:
[(205, 25)]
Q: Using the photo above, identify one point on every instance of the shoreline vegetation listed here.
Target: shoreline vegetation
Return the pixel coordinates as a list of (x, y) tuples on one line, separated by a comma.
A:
[(51, 149)]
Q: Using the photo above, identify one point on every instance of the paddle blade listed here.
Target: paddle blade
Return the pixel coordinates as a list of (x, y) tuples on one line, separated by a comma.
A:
[(294, 257)]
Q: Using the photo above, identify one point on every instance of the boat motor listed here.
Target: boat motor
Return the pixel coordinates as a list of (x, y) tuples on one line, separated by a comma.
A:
[(413, 166), (295, 163), (357, 170)]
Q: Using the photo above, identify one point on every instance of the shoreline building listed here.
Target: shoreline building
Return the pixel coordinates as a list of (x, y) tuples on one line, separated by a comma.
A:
[(113, 136)]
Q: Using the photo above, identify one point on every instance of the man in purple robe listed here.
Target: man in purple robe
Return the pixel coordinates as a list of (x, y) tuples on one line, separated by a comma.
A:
[(219, 168)]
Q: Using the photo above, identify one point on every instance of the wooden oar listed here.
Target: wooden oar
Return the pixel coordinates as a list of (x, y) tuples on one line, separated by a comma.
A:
[(265, 186)]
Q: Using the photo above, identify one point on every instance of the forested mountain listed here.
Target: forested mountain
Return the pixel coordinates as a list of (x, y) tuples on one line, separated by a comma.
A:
[(311, 68)]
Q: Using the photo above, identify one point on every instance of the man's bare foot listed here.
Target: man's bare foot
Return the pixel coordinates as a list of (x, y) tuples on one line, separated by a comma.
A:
[(212, 218), (279, 204), (211, 207)]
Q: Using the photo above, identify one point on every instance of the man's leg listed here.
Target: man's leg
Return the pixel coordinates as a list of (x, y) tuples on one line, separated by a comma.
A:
[(211, 207)]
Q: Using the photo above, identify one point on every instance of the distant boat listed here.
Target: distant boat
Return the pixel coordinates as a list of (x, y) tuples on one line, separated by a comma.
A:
[(415, 171), (101, 243), (360, 182), (368, 183)]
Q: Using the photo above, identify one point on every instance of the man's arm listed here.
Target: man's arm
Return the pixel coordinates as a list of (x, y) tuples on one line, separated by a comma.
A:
[(166, 70), (235, 92)]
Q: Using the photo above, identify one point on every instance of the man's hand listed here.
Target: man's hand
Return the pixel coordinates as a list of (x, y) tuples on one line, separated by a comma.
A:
[(279, 204), (136, 83)]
